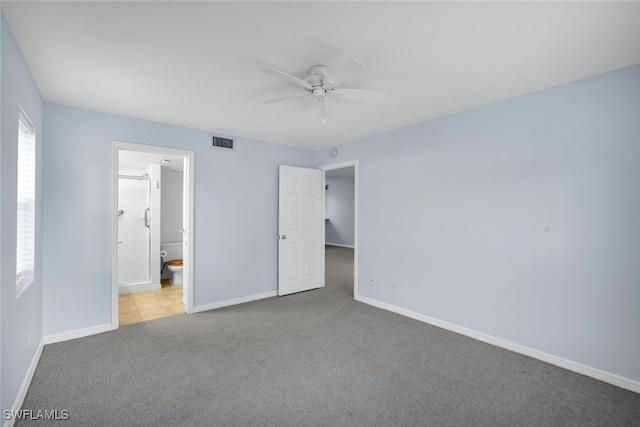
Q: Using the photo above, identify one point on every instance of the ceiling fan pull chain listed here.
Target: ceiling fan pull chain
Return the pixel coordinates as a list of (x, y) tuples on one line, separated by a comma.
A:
[(323, 111)]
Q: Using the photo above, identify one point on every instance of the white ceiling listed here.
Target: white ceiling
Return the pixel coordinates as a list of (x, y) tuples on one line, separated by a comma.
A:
[(197, 64)]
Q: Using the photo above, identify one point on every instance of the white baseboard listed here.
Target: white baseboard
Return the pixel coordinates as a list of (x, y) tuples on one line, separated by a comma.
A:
[(138, 287), (78, 333), (589, 371), (339, 245), (227, 303), (17, 404)]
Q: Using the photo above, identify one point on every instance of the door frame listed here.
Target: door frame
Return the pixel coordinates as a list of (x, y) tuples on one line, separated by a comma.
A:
[(343, 165), (188, 209)]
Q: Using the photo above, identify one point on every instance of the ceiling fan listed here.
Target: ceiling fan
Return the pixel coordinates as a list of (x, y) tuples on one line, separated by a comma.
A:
[(318, 84)]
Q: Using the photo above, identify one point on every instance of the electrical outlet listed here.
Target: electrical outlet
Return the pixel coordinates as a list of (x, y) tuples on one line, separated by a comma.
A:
[(394, 285), (372, 281)]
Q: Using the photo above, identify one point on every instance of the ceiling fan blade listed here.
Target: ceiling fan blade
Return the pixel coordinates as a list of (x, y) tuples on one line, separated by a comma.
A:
[(284, 98), (287, 77), (359, 95), (328, 84), (359, 63)]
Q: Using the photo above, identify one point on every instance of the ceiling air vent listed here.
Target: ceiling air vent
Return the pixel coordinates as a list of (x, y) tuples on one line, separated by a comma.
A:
[(224, 143)]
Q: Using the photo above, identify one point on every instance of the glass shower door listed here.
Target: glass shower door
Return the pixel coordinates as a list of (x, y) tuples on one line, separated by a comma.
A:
[(133, 231)]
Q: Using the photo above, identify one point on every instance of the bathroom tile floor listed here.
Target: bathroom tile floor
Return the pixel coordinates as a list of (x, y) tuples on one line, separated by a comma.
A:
[(147, 305)]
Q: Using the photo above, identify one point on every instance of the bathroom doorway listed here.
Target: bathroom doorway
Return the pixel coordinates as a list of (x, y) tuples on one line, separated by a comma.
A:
[(152, 233)]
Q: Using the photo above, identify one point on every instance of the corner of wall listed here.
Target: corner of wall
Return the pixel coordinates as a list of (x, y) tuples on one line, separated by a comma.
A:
[(18, 354)]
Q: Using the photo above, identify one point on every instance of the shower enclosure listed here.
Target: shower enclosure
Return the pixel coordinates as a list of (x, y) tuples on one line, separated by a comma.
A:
[(134, 236)]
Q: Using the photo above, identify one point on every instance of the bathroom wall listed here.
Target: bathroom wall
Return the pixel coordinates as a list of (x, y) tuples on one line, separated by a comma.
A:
[(172, 204), (339, 206), (155, 224), (172, 210)]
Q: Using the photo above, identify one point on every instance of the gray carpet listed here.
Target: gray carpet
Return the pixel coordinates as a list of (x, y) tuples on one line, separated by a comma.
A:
[(315, 358)]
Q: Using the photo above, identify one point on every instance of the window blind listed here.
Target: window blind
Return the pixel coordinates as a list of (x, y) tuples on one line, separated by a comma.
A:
[(26, 209)]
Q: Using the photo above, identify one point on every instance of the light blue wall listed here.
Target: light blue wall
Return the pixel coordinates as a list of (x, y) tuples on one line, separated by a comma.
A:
[(171, 206), (339, 206), (2, 25), (520, 220), (236, 196), (24, 314)]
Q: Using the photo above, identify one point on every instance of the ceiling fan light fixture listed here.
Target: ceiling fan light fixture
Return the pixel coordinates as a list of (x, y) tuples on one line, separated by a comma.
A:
[(318, 92)]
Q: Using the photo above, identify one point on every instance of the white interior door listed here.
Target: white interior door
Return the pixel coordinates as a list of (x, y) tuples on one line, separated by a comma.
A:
[(300, 251)]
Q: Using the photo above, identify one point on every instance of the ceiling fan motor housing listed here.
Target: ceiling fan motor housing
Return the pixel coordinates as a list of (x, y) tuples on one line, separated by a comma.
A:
[(321, 70), (317, 75)]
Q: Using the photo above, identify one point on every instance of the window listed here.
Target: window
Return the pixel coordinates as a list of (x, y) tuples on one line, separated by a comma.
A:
[(25, 247)]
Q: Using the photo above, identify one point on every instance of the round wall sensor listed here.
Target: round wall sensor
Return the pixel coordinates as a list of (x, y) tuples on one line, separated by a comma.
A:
[(333, 153)]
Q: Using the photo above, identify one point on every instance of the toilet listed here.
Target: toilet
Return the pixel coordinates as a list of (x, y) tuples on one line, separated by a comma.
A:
[(171, 254), (175, 266)]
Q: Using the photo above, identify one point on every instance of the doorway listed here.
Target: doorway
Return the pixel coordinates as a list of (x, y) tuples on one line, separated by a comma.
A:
[(340, 204), (142, 248)]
